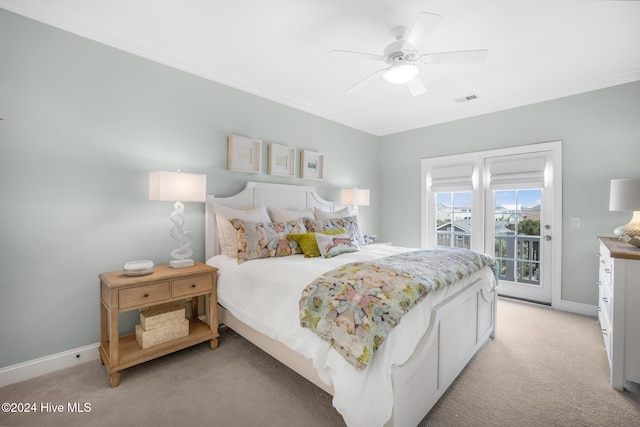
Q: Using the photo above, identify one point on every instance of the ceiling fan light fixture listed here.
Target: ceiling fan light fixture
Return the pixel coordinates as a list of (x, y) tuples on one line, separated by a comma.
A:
[(401, 73)]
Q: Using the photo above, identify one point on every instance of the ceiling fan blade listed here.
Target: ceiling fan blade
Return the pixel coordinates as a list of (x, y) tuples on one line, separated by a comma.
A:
[(364, 81), (416, 87), (423, 25), (351, 52), (458, 57)]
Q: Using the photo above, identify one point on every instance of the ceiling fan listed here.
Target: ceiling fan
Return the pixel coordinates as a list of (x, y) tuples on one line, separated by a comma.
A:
[(404, 59)]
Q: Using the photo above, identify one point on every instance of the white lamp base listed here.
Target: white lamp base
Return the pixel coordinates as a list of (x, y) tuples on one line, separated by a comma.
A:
[(630, 230), (180, 263)]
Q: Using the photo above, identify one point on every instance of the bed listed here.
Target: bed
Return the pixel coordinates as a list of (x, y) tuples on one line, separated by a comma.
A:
[(420, 357)]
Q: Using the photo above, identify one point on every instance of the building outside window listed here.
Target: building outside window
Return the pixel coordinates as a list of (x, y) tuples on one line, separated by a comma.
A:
[(453, 219)]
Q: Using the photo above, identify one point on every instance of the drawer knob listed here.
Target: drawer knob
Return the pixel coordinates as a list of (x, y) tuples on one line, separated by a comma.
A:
[(605, 299), (607, 270), (604, 331), (146, 295), (193, 285)]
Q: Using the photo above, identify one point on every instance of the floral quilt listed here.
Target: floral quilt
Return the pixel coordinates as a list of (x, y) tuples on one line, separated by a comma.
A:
[(355, 306)]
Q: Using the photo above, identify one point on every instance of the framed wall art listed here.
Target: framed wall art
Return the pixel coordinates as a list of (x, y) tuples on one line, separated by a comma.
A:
[(282, 160), (244, 154), (311, 165)]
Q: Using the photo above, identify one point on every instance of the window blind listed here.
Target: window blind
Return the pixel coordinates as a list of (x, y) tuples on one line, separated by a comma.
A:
[(452, 178), (520, 172)]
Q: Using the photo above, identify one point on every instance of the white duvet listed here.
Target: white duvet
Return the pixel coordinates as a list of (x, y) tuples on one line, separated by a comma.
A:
[(264, 294)]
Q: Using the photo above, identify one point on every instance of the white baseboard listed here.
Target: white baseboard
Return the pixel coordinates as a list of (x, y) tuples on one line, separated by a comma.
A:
[(45, 365), (577, 307)]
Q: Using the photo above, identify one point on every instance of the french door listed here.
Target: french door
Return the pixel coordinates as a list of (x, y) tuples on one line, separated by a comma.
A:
[(520, 224), (505, 203)]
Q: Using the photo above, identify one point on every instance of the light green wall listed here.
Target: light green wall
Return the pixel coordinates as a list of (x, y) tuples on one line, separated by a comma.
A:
[(600, 134), (84, 124)]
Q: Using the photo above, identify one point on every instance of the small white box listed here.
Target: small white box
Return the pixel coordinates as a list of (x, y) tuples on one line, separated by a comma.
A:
[(161, 316), (138, 268), (161, 334)]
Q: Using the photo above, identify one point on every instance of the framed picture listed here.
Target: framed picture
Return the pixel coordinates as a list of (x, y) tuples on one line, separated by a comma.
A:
[(282, 160), (244, 154), (311, 165)]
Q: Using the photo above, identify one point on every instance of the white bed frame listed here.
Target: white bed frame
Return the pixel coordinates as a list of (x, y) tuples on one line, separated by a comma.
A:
[(460, 325)]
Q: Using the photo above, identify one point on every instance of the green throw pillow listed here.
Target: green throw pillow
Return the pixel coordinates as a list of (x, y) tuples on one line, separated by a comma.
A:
[(308, 243)]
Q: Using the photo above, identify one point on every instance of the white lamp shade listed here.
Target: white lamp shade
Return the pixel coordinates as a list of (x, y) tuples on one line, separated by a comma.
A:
[(177, 187), (355, 197), (625, 195)]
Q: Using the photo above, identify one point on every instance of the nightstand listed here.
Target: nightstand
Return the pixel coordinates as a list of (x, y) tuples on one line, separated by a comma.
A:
[(120, 293)]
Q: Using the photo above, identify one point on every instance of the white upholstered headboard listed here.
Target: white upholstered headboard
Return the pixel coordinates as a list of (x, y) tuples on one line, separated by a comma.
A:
[(283, 196)]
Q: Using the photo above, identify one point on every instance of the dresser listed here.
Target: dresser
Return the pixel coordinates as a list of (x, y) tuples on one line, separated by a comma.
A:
[(619, 308)]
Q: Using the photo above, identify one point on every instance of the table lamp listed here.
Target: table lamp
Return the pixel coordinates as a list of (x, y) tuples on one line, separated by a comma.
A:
[(178, 187), (625, 196), (355, 197)]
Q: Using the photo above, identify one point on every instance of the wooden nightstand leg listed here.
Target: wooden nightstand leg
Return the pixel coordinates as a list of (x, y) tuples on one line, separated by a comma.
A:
[(213, 343), (115, 379), (194, 307), (104, 329)]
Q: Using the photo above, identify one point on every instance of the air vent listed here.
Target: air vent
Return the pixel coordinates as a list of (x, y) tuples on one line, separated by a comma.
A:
[(467, 98)]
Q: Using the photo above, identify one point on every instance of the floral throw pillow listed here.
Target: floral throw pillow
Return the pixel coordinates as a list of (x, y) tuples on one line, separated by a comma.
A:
[(350, 224), (308, 243), (227, 234), (264, 240), (337, 244)]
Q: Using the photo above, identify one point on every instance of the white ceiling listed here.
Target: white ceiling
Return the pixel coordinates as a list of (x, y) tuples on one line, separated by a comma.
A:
[(279, 49)]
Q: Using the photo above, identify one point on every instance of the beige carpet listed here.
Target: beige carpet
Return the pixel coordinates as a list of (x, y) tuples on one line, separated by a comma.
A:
[(545, 368)]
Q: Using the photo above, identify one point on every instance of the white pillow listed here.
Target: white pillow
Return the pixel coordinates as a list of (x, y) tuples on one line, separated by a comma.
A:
[(342, 213), (227, 233), (285, 215)]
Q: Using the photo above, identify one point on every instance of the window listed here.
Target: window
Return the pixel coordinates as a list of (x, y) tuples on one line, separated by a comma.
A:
[(451, 206), (453, 219)]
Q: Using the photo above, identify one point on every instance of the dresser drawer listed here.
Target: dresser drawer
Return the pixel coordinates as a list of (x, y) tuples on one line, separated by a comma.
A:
[(142, 296), (606, 265), (191, 285), (605, 276), (605, 301), (605, 326)]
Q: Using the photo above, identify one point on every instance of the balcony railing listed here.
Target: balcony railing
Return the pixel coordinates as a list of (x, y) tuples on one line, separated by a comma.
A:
[(518, 258), (456, 240)]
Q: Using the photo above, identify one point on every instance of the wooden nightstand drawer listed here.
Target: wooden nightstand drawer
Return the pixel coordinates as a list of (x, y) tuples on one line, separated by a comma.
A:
[(191, 285), (142, 296)]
